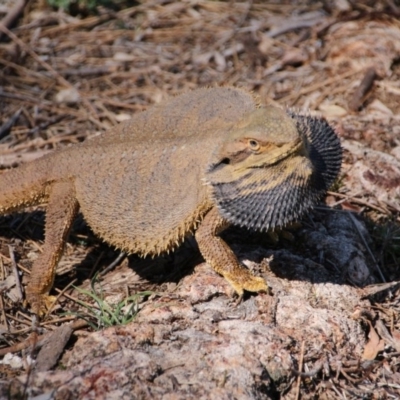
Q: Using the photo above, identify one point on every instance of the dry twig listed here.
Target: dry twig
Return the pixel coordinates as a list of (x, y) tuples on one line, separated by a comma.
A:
[(13, 14), (362, 90)]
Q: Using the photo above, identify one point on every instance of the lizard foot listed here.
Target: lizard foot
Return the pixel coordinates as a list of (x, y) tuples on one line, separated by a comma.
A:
[(40, 303), (245, 280)]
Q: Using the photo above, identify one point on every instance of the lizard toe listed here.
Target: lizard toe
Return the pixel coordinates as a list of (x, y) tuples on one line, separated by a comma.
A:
[(255, 284), (246, 281)]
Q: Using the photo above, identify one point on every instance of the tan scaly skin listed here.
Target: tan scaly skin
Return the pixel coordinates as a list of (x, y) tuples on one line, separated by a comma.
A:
[(196, 163)]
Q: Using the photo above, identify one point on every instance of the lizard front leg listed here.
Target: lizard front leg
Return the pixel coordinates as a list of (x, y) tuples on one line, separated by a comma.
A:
[(60, 212), (220, 256)]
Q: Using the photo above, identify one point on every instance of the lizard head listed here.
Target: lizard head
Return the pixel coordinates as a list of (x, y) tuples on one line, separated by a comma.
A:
[(272, 167), (261, 139)]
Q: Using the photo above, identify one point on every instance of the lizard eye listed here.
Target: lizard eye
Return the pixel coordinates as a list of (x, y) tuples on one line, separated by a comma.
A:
[(253, 144)]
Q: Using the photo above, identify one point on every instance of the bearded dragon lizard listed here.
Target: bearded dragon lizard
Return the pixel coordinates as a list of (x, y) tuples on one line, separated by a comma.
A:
[(194, 164)]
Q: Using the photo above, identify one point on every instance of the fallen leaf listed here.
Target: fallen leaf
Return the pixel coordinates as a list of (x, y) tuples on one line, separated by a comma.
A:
[(123, 117), (374, 345), (382, 108), (121, 56), (69, 96), (396, 339), (332, 110)]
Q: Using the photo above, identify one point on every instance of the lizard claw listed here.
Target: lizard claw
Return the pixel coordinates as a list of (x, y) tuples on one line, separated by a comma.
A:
[(246, 281)]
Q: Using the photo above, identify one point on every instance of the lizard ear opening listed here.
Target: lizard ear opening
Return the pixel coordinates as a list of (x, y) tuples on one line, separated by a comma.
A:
[(219, 164), (225, 161), (220, 171)]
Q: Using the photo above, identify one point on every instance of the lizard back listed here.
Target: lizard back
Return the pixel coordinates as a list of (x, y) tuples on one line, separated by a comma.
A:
[(140, 186)]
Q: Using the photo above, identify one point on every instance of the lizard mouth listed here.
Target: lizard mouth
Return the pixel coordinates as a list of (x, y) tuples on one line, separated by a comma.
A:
[(284, 152)]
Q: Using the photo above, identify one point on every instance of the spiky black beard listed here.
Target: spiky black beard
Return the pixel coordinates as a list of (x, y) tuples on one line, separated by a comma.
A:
[(272, 197)]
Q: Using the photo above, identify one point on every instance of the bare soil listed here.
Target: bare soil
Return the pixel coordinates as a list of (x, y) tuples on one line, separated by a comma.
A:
[(330, 328)]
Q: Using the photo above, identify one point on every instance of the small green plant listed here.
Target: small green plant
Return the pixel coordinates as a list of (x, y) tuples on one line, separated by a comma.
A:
[(338, 184), (102, 314), (66, 4), (82, 5)]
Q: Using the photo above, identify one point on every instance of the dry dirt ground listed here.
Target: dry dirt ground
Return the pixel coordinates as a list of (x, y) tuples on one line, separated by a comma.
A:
[(330, 329)]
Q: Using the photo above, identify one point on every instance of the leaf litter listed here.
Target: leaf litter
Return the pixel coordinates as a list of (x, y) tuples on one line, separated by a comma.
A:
[(331, 327)]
